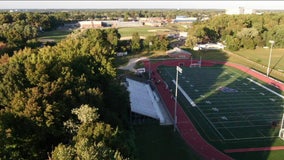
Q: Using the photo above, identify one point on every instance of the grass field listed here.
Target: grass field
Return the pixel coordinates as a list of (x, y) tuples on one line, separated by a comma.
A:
[(258, 56), (261, 55), (233, 111), (55, 35), (143, 31), (156, 142)]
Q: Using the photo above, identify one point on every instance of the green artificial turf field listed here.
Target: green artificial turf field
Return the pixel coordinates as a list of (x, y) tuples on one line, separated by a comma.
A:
[(234, 110)]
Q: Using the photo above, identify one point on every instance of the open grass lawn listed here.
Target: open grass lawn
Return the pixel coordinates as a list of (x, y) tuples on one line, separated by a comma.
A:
[(261, 56), (143, 31), (233, 110), (264, 155), (157, 142), (55, 35)]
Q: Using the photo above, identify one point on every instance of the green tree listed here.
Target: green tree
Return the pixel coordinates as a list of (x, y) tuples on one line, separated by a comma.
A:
[(42, 86), (135, 42), (6, 18), (91, 138), (158, 42), (277, 34), (113, 37), (247, 37), (232, 43)]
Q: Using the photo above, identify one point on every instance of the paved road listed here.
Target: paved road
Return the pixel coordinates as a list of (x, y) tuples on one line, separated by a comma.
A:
[(132, 62)]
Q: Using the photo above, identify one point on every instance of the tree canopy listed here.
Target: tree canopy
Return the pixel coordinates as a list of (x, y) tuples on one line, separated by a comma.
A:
[(239, 31), (39, 88), (20, 29), (92, 139)]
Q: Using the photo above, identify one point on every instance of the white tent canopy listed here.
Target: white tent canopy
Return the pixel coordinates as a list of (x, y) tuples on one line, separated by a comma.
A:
[(144, 101)]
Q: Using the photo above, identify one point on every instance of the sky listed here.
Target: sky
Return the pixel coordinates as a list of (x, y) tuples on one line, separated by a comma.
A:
[(108, 4)]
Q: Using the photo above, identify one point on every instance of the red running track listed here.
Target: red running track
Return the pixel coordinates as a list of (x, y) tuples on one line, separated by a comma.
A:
[(184, 125)]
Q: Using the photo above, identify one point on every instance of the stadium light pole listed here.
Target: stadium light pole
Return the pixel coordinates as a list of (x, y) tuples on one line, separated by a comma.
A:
[(179, 70), (150, 44), (269, 60)]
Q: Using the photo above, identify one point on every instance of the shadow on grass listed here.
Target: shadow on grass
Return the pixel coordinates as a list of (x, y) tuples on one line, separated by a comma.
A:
[(156, 142)]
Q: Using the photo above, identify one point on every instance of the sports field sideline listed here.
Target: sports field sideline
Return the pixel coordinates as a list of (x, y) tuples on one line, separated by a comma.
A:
[(231, 105)]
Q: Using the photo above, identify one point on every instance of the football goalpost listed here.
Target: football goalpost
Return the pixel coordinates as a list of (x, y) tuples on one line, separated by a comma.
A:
[(281, 131), (197, 64)]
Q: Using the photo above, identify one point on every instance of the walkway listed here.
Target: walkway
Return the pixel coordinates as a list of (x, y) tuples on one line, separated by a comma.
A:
[(132, 62)]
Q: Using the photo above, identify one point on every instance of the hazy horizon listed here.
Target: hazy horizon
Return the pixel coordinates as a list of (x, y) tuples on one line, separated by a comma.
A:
[(266, 5)]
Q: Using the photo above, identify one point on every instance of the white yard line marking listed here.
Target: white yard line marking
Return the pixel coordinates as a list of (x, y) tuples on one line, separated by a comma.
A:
[(194, 105), (185, 95), (208, 102), (279, 95)]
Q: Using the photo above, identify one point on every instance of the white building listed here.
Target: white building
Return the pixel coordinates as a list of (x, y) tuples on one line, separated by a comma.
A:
[(184, 19), (90, 24), (240, 10), (209, 46)]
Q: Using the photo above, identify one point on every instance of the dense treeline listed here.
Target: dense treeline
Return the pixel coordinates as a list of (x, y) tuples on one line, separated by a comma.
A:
[(240, 31), (41, 91), (114, 14), (21, 29), (156, 42)]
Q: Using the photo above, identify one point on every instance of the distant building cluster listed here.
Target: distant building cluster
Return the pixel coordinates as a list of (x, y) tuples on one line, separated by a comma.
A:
[(150, 21), (153, 21), (158, 21), (114, 24), (240, 10)]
